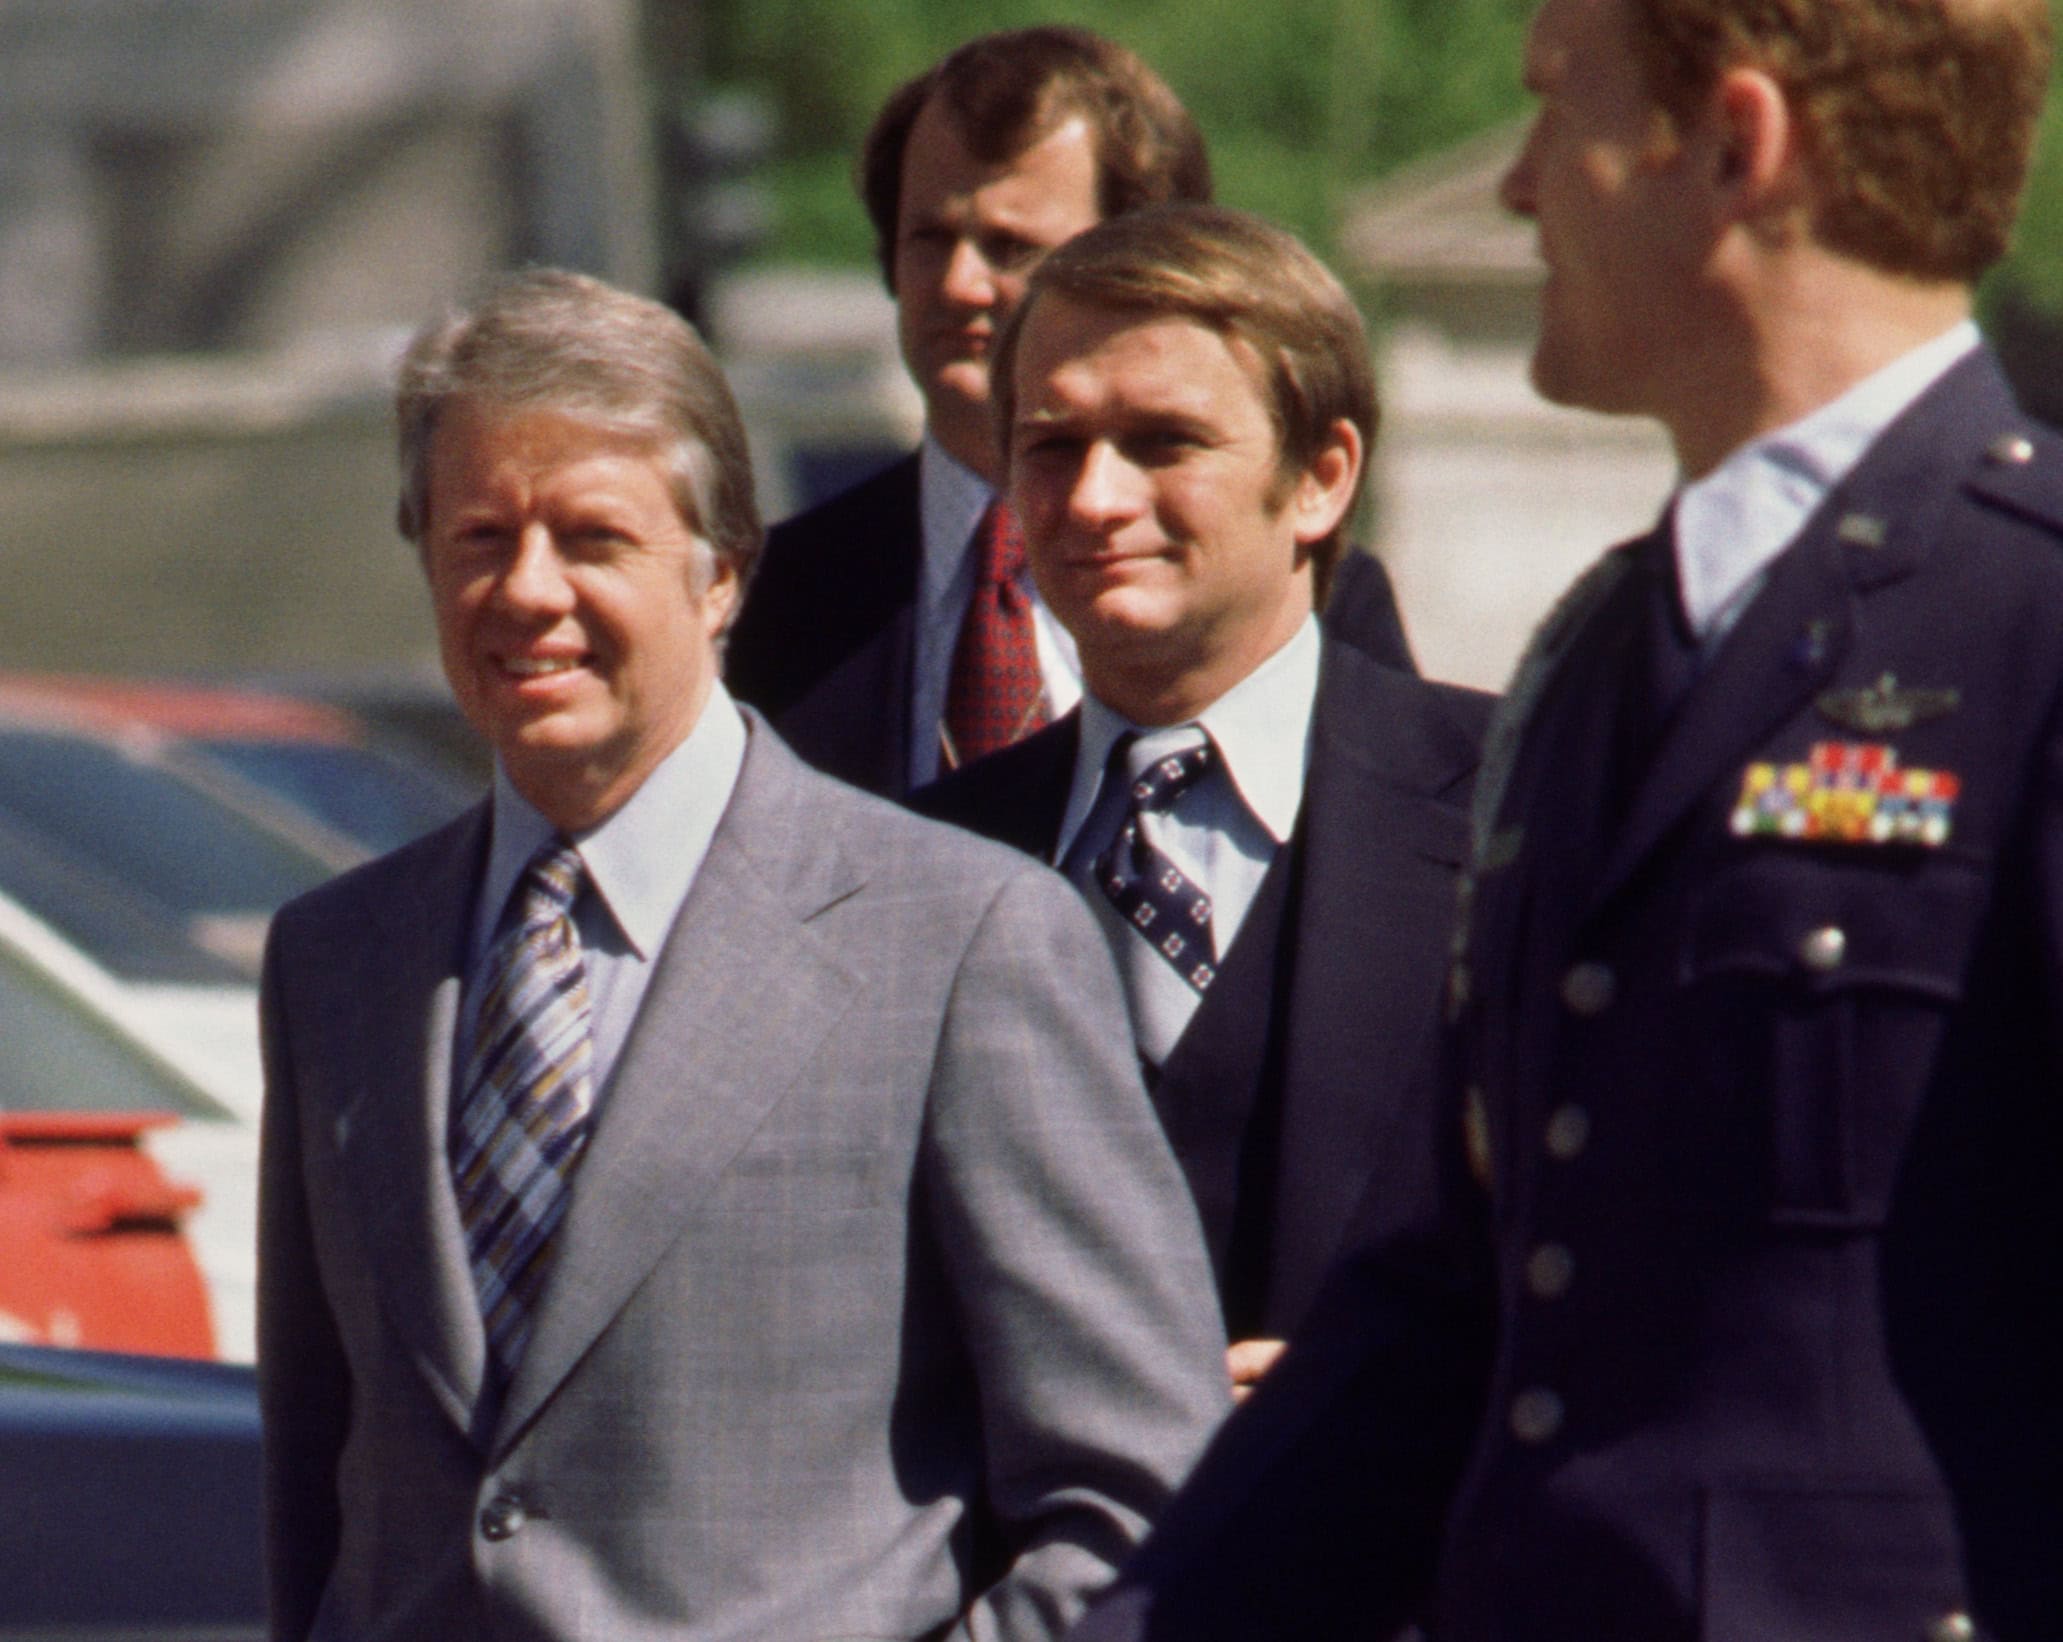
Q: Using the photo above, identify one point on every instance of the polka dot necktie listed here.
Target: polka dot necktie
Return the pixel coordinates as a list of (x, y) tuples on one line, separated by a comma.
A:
[(1166, 949)]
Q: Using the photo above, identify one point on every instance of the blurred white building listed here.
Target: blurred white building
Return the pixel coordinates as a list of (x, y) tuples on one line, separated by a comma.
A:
[(1488, 500), (218, 219)]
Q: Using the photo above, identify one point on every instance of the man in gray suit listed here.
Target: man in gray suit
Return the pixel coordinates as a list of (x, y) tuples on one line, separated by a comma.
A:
[(699, 1201)]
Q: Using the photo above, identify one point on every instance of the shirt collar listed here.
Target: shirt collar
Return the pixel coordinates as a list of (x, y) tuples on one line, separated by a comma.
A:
[(1261, 727), (642, 859), (1734, 521), (951, 498)]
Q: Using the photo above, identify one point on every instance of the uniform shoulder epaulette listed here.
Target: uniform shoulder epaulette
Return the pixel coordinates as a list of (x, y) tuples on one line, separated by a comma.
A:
[(2022, 470)]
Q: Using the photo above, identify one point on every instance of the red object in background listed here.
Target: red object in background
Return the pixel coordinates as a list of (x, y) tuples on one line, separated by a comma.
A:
[(91, 1252)]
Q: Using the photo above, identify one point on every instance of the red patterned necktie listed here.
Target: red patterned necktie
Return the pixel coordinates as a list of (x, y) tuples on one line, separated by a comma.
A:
[(994, 696)]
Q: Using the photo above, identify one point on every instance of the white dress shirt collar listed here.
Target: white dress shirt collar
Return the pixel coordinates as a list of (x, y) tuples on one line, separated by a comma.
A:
[(642, 860), (1261, 726), (1732, 523)]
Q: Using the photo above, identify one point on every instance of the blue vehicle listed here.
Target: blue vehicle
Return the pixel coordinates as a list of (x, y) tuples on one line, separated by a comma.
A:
[(130, 1491)]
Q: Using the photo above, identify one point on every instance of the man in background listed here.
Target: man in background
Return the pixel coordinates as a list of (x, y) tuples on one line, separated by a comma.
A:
[(894, 632), (1739, 1314), (1267, 823)]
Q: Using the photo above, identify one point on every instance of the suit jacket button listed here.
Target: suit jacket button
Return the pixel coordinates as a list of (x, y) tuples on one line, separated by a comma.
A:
[(1952, 1627), (503, 1517), (1823, 950), (1568, 1132), (1536, 1415), (1550, 1269), (1588, 989)]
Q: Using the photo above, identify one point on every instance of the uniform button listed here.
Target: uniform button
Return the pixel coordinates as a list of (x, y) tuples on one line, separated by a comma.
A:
[(1550, 1269), (1475, 1135), (1587, 989), (1823, 949), (1536, 1415), (503, 1517), (1952, 1627), (1568, 1132), (2016, 451)]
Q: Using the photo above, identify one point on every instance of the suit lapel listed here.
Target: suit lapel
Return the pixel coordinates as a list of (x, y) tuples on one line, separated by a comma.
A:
[(391, 1137), (1030, 791), (741, 996), (1017, 796), (1786, 647), (854, 721), (1877, 526), (1360, 997)]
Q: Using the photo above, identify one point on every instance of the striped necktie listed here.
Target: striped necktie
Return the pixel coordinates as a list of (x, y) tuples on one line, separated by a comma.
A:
[(529, 1091)]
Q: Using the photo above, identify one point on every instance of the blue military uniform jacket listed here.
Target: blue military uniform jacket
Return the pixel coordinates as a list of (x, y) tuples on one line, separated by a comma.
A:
[(1736, 1323)]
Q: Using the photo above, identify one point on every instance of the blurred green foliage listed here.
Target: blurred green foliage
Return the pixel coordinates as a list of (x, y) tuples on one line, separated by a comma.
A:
[(2035, 269), (1301, 99)]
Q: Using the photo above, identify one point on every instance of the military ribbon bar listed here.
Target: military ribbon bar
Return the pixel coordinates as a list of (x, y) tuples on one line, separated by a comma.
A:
[(1848, 792)]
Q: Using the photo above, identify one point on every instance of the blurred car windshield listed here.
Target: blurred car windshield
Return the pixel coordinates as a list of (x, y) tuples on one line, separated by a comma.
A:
[(57, 1056), (377, 802), (220, 874)]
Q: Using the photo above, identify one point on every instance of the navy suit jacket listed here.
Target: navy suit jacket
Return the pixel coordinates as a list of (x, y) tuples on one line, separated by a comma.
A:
[(826, 643), (1741, 1298), (1308, 1069)]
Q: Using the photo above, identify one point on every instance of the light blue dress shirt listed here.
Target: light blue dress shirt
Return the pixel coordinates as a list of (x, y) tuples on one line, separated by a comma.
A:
[(1732, 523)]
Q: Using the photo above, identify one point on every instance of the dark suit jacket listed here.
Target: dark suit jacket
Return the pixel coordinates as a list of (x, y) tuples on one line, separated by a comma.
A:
[(1768, 1126), (879, 1308), (1307, 1070), (826, 643)]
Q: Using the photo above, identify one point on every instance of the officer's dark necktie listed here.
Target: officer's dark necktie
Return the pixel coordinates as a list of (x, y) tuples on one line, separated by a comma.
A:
[(528, 1096), (994, 695), (1662, 665)]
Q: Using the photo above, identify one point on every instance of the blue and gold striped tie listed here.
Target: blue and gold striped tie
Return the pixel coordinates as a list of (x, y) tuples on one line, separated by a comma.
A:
[(529, 1093)]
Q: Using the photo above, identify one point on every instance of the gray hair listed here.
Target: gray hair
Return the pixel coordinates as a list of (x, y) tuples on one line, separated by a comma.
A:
[(546, 339)]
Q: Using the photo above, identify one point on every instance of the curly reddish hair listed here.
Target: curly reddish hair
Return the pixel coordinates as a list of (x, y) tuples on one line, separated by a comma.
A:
[(1918, 115)]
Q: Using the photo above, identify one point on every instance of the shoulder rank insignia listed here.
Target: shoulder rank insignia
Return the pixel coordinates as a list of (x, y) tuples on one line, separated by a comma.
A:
[(1849, 792), (1885, 707)]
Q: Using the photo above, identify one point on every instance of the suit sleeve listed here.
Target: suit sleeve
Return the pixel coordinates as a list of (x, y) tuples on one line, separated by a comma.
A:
[(1074, 1255), (303, 1386), (1318, 1509)]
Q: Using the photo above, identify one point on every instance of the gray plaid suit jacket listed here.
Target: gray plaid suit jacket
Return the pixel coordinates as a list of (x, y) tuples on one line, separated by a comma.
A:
[(880, 1309)]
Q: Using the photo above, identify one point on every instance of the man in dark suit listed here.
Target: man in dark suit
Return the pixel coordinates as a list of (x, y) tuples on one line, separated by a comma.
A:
[(1740, 1304), (858, 640), (1188, 404), (698, 1200)]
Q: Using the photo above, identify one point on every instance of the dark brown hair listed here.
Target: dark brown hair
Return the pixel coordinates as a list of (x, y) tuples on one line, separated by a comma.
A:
[(1253, 283), (1008, 90)]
